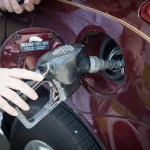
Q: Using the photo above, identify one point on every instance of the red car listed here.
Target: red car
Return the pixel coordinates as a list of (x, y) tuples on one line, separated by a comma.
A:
[(111, 109)]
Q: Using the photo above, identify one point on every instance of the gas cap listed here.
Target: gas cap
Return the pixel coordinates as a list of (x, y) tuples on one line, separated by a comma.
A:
[(23, 48)]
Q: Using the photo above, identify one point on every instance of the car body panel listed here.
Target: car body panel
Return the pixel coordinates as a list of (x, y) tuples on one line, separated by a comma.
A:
[(118, 112)]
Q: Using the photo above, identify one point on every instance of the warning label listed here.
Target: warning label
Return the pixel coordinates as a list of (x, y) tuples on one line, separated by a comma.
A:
[(33, 46)]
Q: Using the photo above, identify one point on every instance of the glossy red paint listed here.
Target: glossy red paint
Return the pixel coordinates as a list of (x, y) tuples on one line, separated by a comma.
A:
[(12, 55), (145, 12), (117, 111)]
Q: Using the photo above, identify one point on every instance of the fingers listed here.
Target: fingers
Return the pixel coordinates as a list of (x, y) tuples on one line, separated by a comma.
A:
[(7, 108), (25, 74), (29, 4), (7, 6), (10, 79), (13, 5), (36, 2), (21, 86), (13, 97), (16, 7)]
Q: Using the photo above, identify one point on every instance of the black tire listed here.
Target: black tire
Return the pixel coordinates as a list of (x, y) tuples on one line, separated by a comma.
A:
[(60, 129)]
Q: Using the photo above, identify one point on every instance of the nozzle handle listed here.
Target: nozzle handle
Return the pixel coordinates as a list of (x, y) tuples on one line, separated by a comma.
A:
[(29, 123)]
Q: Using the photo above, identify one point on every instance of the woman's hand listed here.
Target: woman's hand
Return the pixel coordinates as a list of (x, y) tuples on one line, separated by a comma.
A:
[(13, 6), (9, 81)]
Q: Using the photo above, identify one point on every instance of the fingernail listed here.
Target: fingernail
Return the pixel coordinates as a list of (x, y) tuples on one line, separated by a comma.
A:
[(41, 77), (35, 97), (26, 107), (19, 12), (31, 9), (15, 113), (11, 11)]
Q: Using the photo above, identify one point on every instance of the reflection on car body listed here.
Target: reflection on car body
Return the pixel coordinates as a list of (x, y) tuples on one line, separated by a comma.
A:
[(111, 109)]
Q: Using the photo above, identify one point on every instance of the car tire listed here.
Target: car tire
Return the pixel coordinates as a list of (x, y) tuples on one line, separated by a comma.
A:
[(59, 130)]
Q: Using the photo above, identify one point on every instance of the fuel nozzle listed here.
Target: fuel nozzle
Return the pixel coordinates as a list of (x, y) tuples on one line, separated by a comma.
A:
[(62, 68), (66, 63), (96, 64)]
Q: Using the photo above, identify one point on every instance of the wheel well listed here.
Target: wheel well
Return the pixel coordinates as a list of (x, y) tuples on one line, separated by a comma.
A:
[(9, 121), (70, 124)]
